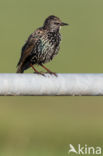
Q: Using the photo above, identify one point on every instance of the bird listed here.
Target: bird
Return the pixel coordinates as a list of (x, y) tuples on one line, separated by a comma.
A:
[(41, 46)]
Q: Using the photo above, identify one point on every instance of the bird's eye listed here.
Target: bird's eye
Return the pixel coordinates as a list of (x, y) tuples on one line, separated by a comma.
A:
[(56, 23)]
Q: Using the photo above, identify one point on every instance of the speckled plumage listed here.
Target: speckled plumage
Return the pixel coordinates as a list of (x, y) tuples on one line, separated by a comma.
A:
[(42, 45)]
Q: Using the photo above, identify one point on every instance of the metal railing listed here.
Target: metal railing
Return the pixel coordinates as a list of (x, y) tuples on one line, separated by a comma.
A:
[(63, 84)]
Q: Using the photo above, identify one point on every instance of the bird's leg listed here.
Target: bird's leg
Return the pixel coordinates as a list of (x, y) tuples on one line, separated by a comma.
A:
[(36, 70), (50, 72)]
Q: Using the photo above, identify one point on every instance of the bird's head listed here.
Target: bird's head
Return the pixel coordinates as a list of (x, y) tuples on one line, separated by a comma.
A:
[(53, 23)]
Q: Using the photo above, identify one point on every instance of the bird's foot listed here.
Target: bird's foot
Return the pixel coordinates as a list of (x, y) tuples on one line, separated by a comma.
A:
[(40, 73), (52, 73)]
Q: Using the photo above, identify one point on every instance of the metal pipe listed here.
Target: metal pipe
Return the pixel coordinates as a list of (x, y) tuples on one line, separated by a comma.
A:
[(63, 84)]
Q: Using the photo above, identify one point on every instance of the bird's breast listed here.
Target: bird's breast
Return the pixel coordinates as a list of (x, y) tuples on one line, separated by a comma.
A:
[(47, 47), (50, 46), (54, 38)]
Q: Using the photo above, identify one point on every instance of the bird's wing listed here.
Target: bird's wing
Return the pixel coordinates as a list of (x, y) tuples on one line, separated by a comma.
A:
[(29, 45)]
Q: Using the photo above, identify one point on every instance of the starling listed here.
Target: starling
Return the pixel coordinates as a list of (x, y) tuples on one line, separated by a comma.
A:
[(41, 46)]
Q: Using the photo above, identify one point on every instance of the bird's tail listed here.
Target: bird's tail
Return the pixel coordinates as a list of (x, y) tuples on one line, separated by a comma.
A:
[(20, 69)]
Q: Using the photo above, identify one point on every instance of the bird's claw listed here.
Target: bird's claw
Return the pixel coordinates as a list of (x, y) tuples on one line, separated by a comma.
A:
[(52, 73), (43, 74), (40, 73)]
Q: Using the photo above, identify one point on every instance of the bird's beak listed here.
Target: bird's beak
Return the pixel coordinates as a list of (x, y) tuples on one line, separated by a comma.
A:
[(64, 24)]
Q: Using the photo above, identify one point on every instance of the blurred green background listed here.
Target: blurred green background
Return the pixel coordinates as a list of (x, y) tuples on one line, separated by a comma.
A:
[(47, 125)]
